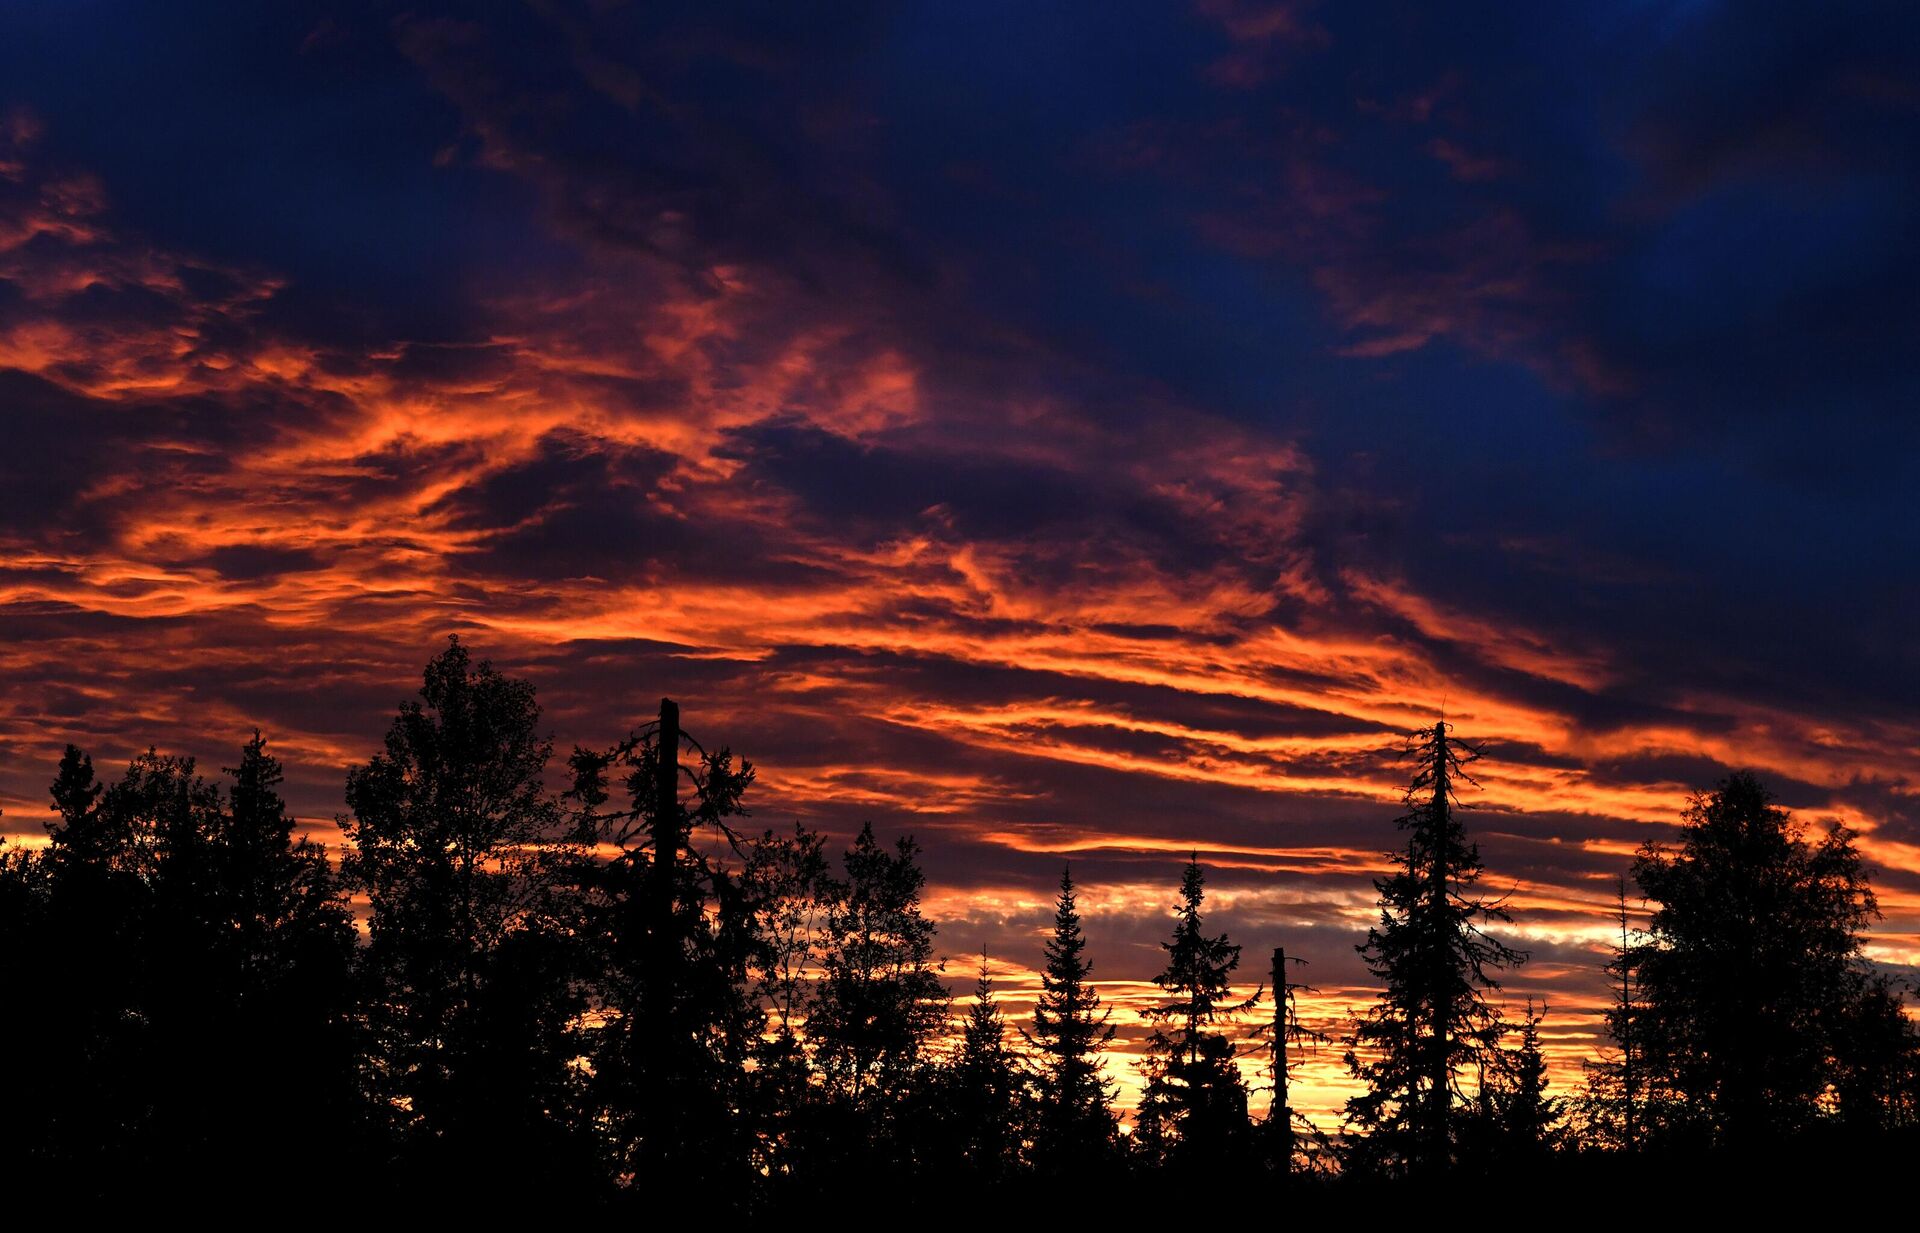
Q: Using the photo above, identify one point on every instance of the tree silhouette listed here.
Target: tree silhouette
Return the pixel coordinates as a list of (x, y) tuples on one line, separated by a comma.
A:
[(879, 1004), (1284, 1033), (1612, 1106), (1194, 1109), (1432, 1020), (1513, 1122), (84, 1107), (982, 1096), (1751, 975), (471, 1006), (561, 999), (1074, 1123), (1876, 1085), (668, 925), (273, 1017), (791, 890), (191, 963), (880, 996)]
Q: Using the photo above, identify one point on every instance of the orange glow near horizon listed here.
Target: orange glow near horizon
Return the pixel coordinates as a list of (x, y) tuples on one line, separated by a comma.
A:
[(613, 496)]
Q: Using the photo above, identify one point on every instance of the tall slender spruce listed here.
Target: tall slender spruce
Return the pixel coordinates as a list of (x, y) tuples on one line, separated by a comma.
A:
[(1194, 1109), (1436, 964), (1070, 1029)]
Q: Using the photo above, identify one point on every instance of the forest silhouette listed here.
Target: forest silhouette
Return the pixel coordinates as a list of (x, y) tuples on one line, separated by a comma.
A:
[(618, 997)]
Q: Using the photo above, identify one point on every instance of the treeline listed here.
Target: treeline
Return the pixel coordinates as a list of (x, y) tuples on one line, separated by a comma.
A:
[(605, 996)]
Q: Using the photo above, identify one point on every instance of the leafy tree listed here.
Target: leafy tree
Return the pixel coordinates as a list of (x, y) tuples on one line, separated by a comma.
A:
[(880, 998), (1074, 1120), (1752, 982), (879, 1003), (471, 1005), (791, 890), (1432, 1021), (1876, 1085), (1194, 1109)]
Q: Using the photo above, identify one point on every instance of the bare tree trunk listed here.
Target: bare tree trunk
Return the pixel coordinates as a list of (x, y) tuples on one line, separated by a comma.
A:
[(666, 842), (1281, 1115), (1439, 1071)]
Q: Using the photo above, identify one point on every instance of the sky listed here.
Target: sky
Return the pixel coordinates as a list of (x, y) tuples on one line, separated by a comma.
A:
[(1063, 433)]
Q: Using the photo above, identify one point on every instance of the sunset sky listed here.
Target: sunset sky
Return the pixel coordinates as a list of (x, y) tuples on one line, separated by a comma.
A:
[(1083, 432)]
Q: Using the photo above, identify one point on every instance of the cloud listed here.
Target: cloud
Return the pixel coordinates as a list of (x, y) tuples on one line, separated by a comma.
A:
[(1109, 464)]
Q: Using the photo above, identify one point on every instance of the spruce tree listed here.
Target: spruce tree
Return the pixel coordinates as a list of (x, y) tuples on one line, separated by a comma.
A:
[(1530, 1119), (1074, 1119), (1194, 1109), (80, 1108), (1436, 964), (985, 1093), (289, 948), (192, 965)]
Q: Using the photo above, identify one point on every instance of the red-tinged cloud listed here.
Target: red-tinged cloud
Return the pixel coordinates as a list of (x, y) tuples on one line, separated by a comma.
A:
[(754, 446)]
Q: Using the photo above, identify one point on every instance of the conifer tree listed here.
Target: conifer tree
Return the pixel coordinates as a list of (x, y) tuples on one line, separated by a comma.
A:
[(191, 965), (1432, 1021), (1074, 1119), (985, 1092), (1194, 1108), (1751, 974), (1531, 1121), (83, 905)]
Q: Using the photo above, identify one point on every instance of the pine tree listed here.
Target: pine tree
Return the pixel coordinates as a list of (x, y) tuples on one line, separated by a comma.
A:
[(72, 964), (1532, 1121), (272, 1012), (1194, 1108), (984, 1094), (1074, 1119), (192, 965), (1433, 1020)]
